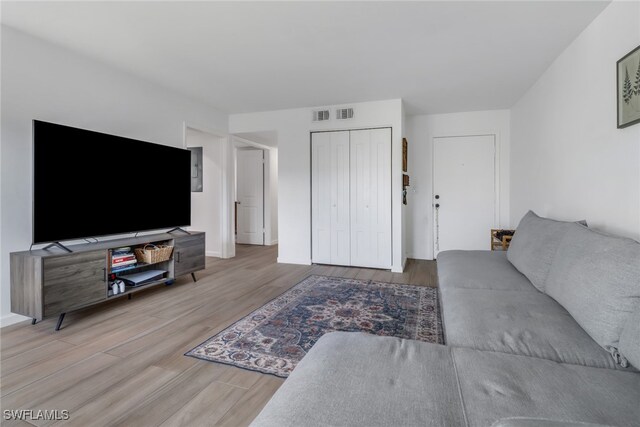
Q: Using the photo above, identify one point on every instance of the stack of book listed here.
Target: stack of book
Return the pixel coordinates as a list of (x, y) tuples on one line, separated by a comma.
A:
[(122, 259)]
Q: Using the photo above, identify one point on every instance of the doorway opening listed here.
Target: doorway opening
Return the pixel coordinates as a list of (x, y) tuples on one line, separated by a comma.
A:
[(256, 188), (207, 197)]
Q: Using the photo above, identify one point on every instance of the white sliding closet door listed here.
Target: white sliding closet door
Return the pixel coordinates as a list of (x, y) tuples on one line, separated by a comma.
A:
[(370, 171), (330, 198)]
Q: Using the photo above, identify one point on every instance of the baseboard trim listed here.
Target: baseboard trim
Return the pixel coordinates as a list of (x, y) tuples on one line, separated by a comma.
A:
[(420, 259), (11, 319), (274, 242), (216, 254), (294, 261)]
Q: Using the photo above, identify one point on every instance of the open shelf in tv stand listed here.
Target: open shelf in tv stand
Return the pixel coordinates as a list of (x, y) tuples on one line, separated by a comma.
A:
[(46, 283)]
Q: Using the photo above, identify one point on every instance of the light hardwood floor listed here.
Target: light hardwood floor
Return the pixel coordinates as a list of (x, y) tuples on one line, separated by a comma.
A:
[(122, 363)]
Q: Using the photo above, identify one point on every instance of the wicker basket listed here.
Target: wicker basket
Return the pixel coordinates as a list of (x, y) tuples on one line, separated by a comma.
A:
[(151, 254)]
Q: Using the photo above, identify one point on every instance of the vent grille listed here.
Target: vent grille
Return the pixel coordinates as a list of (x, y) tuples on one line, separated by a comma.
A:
[(320, 115), (344, 113)]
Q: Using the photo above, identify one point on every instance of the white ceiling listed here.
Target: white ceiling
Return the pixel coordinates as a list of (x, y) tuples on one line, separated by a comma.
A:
[(255, 56)]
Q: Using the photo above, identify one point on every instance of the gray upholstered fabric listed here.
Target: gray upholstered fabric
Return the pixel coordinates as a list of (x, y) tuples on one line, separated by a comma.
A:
[(596, 277), (355, 379), (480, 270), (534, 246), (498, 385), (630, 340), (524, 323), (540, 422)]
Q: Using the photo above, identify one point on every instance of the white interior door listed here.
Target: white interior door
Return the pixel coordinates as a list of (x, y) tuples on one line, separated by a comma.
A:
[(250, 195), (464, 185), (330, 198), (370, 171)]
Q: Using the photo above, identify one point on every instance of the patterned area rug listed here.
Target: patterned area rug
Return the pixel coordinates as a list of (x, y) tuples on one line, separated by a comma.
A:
[(276, 336)]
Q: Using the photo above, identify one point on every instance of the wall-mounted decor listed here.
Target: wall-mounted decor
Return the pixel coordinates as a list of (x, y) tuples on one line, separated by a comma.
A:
[(404, 154), (628, 88), (196, 169)]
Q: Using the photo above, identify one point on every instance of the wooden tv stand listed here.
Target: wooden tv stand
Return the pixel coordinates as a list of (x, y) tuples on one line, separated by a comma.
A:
[(47, 283)]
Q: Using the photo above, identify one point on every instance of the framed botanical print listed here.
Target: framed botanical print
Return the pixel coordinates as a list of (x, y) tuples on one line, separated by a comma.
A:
[(628, 88)]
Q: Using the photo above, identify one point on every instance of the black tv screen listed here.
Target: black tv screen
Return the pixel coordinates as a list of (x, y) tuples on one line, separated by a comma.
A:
[(89, 184)]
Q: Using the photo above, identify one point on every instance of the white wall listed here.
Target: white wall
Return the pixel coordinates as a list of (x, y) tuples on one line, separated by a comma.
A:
[(43, 81), (294, 174), (569, 161), (206, 206), (420, 133)]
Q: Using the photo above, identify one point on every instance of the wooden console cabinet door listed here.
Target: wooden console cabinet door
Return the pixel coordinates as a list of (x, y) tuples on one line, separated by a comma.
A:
[(188, 254), (74, 281)]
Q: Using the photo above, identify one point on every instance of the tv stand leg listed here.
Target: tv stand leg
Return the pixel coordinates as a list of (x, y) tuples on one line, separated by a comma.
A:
[(178, 229), (57, 245), (60, 319), (193, 276), (33, 321)]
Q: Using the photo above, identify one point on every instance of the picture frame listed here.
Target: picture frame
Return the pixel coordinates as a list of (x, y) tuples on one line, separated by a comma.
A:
[(628, 89), (404, 154)]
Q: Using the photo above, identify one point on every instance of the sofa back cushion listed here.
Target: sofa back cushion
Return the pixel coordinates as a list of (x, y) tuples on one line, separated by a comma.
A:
[(534, 246), (630, 340), (596, 278)]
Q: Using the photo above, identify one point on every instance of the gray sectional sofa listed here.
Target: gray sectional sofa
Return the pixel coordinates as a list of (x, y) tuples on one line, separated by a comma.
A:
[(546, 334)]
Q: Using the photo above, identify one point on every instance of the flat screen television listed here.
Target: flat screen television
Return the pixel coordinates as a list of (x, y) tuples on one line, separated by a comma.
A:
[(90, 184)]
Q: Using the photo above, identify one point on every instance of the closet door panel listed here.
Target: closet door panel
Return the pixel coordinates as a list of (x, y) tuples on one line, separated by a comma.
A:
[(380, 140), (321, 198), (360, 198), (340, 217), (330, 198), (371, 198)]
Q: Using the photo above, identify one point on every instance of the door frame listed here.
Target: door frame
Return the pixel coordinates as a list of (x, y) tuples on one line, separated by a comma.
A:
[(255, 147), (311, 182), (496, 170), (269, 188)]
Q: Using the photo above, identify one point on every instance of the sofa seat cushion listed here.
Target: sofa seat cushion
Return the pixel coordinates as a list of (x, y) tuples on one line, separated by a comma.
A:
[(534, 245), (356, 379), (596, 277), (524, 323), (480, 270), (498, 385)]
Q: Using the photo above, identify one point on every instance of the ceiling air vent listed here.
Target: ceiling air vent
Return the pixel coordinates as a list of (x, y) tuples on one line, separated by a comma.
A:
[(344, 113), (320, 115)]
